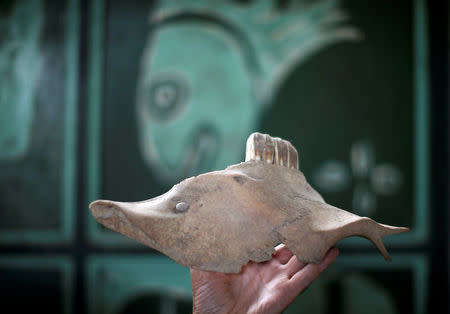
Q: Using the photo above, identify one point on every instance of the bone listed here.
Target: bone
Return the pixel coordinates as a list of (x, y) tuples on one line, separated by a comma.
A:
[(219, 221)]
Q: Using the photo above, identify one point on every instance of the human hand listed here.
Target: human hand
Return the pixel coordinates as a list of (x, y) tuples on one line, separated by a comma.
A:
[(267, 287)]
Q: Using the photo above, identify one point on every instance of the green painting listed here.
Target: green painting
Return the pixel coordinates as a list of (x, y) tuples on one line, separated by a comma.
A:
[(38, 76), (210, 68), (21, 28)]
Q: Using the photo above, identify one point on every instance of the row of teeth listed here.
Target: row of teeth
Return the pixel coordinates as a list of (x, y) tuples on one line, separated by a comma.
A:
[(272, 150)]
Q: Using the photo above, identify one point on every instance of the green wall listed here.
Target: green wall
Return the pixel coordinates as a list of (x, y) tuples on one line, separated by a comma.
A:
[(120, 100)]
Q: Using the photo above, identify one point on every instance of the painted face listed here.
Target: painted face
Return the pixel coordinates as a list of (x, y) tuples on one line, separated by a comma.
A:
[(195, 104), (209, 68), (19, 61)]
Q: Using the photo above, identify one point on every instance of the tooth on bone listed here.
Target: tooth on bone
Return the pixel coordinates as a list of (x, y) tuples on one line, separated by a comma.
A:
[(272, 150)]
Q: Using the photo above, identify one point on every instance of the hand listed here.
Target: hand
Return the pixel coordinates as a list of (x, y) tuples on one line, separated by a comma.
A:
[(267, 287)]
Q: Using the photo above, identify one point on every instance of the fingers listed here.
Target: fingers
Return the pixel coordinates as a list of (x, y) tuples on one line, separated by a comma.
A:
[(300, 276), (283, 254), (303, 278), (294, 266)]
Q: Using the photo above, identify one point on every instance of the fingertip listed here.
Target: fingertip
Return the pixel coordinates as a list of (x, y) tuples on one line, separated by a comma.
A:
[(282, 254), (334, 251), (331, 255)]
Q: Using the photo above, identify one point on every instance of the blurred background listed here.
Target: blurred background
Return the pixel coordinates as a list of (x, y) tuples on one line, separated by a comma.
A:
[(122, 99)]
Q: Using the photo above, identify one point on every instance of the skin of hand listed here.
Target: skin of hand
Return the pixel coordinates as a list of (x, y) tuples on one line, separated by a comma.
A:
[(267, 287)]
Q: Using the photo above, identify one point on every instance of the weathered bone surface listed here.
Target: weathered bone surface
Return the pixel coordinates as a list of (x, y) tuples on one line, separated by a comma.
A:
[(220, 220)]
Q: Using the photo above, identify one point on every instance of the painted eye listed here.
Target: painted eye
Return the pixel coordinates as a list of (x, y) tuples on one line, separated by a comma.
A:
[(182, 207), (166, 97)]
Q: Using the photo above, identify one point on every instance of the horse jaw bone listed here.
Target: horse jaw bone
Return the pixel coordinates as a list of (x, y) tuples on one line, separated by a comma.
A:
[(220, 220)]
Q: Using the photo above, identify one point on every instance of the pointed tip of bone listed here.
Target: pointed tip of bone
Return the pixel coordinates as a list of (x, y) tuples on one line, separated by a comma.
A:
[(101, 209), (382, 231), (272, 150), (100, 203)]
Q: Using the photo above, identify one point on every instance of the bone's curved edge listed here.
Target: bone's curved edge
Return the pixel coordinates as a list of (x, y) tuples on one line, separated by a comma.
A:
[(373, 231), (113, 215), (236, 264), (314, 245)]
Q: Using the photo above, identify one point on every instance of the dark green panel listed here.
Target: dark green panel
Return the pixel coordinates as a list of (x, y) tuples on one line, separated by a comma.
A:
[(356, 97), (31, 282), (140, 283), (26, 290), (153, 302), (358, 117), (144, 304), (38, 116), (366, 284), (123, 59)]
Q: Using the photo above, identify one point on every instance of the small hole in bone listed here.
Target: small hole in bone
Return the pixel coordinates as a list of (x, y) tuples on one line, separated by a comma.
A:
[(239, 179)]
